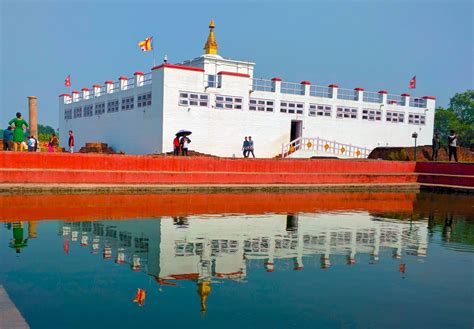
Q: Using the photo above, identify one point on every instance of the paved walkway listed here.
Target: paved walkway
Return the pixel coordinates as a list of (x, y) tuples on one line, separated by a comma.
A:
[(10, 317)]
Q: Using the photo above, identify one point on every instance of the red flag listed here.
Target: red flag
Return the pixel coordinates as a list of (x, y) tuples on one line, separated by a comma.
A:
[(412, 83), (67, 82)]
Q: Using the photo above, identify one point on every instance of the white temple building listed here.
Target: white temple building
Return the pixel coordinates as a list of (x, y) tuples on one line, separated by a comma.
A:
[(220, 101)]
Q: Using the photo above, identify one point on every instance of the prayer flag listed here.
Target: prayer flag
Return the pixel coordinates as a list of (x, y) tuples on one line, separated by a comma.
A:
[(412, 83), (146, 45)]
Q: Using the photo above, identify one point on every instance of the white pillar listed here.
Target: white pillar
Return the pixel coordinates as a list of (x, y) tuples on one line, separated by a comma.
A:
[(65, 98), (276, 84), (123, 82), (383, 96), (406, 99), (109, 85), (85, 93), (333, 91), (139, 78), (430, 102), (360, 94), (75, 96), (305, 86), (96, 90)]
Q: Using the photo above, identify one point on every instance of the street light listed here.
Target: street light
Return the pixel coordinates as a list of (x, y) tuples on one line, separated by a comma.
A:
[(414, 136)]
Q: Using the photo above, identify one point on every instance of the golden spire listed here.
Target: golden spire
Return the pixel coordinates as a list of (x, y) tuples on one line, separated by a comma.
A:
[(211, 45), (204, 289)]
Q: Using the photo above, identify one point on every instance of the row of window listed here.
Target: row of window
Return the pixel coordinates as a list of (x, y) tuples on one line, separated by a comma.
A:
[(127, 103), (267, 105)]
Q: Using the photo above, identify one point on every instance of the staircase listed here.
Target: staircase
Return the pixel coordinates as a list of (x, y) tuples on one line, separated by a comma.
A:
[(307, 147)]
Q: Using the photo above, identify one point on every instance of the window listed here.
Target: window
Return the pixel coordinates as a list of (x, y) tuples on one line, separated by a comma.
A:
[(393, 116), (144, 100), (127, 103), (99, 108), (346, 113), (320, 110), (416, 119), (78, 112), (291, 107), (68, 114), (371, 115), (228, 102), (193, 99), (263, 105), (211, 81), (113, 106), (88, 110)]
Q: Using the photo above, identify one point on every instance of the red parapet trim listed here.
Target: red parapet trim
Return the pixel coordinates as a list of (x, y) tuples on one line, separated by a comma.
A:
[(383, 92), (179, 67), (359, 89), (85, 89), (64, 95), (96, 86), (123, 78), (235, 74), (138, 73), (333, 86), (276, 79), (108, 82), (75, 92), (405, 95), (429, 97), (305, 82)]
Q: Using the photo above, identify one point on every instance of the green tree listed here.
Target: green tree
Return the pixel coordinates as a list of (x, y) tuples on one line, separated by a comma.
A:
[(462, 105)]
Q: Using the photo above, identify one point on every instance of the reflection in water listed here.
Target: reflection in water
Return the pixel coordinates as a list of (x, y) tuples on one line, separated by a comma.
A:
[(19, 241), (204, 249)]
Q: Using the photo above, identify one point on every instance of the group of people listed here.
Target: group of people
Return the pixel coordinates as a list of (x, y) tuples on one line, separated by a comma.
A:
[(181, 145), (452, 146), (248, 147), (14, 137)]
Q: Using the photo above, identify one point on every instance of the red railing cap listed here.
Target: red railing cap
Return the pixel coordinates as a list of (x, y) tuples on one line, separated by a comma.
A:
[(383, 92), (405, 95), (75, 92), (333, 85), (64, 95), (429, 97), (179, 67), (359, 89), (123, 78), (108, 82), (235, 74), (85, 89), (305, 82), (96, 86), (276, 79), (138, 73)]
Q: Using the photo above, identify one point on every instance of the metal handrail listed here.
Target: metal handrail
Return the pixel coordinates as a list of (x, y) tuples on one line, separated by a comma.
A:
[(321, 144)]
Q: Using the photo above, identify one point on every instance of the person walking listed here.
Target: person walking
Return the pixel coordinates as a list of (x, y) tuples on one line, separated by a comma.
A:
[(184, 143), (453, 145), (8, 139), (53, 142), (71, 142), (436, 144), (176, 146), (245, 147), (18, 132), (250, 147)]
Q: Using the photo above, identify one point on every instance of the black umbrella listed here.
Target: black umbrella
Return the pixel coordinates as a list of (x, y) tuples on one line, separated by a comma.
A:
[(183, 132)]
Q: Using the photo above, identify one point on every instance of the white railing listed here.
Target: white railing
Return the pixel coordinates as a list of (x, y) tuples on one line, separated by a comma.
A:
[(130, 83), (263, 85), (147, 79), (372, 97), (319, 91), (324, 145), (348, 94), (395, 99), (417, 102), (116, 87), (292, 88)]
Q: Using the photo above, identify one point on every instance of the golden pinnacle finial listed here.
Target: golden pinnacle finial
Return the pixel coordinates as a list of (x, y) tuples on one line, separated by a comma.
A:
[(211, 45)]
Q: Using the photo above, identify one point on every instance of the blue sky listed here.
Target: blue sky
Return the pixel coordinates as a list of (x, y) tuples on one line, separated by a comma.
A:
[(371, 44)]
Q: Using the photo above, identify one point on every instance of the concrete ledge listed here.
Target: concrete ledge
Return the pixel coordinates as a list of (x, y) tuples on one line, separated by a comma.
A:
[(10, 317), (139, 188)]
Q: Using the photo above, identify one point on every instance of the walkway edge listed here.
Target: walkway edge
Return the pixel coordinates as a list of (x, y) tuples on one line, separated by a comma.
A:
[(147, 188), (10, 316)]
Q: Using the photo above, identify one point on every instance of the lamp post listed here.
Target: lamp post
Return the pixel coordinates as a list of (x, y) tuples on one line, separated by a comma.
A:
[(414, 136)]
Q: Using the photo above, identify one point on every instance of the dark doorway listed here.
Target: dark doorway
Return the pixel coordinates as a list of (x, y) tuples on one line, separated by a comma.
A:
[(296, 129)]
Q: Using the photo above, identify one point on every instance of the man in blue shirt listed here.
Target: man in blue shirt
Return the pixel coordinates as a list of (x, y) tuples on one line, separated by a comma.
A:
[(8, 139), (245, 147)]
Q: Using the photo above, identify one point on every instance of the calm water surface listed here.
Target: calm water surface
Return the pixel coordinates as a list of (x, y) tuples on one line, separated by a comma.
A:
[(314, 260)]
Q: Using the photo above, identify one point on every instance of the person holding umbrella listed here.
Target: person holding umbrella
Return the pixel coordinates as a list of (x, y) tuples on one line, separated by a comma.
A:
[(184, 141)]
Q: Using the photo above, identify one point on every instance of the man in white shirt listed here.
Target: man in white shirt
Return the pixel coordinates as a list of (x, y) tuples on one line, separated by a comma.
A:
[(453, 145)]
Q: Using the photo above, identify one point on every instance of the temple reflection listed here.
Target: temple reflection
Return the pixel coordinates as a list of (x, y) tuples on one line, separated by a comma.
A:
[(210, 248)]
